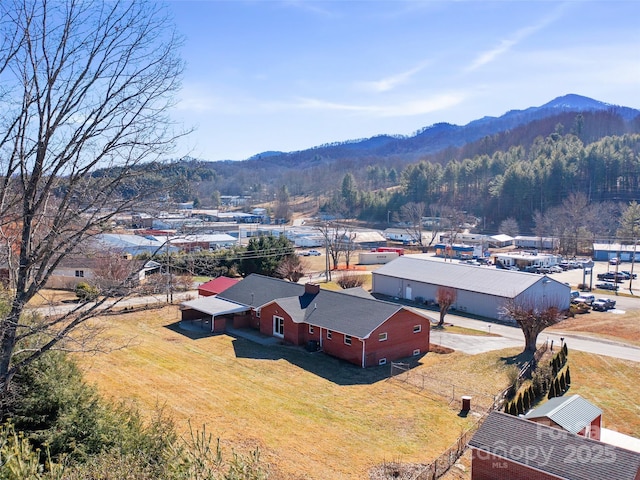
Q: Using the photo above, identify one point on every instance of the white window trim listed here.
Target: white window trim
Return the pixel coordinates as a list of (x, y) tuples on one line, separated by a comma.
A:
[(382, 361), (417, 328), (257, 313), (311, 329), (347, 339), (276, 318), (416, 352), (382, 337), (329, 334)]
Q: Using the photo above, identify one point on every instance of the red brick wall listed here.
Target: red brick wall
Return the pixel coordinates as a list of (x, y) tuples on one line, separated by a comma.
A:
[(401, 340), (337, 348), (485, 466), (291, 329)]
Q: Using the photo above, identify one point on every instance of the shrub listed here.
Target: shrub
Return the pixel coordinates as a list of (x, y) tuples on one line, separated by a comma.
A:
[(513, 377), (520, 405), (86, 292), (552, 391), (351, 281), (567, 377)]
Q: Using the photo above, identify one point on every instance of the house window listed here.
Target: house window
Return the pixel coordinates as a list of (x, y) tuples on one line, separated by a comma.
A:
[(347, 339), (278, 326), (417, 328), (258, 313), (311, 329), (329, 333), (382, 361), (382, 336), (79, 273), (416, 351)]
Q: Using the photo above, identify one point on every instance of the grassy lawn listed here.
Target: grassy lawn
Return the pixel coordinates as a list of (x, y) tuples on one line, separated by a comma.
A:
[(461, 330), (624, 327), (312, 416)]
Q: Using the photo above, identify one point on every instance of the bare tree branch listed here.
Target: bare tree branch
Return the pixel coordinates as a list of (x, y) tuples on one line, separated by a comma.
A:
[(86, 92)]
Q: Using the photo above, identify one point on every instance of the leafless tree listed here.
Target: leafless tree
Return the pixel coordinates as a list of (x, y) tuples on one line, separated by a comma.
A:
[(334, 234), (348, 246), (412, 214), (532, 316), (445, 296), (292, 268), (86, 91)]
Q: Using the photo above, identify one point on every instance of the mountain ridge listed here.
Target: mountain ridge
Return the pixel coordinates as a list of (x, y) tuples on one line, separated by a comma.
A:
[(442, 135)]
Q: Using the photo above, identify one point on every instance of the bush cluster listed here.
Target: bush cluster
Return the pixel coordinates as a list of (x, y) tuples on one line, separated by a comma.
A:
[(551, 378), (56, 427)]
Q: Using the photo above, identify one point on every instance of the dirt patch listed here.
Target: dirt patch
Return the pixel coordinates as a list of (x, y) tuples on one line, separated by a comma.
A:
[(439, 349)]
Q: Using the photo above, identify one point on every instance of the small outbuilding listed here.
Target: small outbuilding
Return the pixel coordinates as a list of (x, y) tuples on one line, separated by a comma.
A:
[(216, 286), (572, 414)]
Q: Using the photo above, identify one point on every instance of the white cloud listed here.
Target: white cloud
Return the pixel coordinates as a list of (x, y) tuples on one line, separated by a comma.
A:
[(391, 82), (507, 44), (407, 108)]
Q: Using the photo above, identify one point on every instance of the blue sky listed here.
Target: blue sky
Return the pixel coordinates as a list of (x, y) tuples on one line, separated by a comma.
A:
[(289, 75)]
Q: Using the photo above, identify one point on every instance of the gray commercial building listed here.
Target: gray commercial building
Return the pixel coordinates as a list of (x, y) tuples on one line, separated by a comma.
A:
[(480, 290)]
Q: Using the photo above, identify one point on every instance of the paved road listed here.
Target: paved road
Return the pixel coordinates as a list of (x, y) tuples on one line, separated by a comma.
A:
[(178, 297), (513, 337)]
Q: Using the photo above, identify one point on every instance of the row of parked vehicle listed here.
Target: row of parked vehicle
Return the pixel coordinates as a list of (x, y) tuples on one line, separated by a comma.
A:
[(600, 304)]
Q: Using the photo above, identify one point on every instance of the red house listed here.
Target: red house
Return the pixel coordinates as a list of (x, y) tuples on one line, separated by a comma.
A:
[(216, 286), (506, 447), (351, 324)]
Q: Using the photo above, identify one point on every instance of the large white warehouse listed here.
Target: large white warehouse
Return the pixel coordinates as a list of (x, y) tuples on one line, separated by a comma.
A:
[(479, 290)]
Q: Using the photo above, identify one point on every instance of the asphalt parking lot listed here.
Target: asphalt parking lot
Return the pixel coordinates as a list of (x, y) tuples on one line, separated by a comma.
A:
[(626, 298)]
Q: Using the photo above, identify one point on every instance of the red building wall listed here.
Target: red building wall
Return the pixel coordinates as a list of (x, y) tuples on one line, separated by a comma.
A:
[(485, 466), (337, 348), (401, 340)]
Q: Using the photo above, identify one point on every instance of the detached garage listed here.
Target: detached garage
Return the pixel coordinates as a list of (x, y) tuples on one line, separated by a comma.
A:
[(479, 291)]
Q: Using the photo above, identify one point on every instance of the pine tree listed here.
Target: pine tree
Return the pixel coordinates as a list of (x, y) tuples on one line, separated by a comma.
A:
[(568, 376), (552, 391), (563, 382)]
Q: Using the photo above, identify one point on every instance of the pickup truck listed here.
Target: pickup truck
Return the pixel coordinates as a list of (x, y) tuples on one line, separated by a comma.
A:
[(612, 276), (607, 286), (603, 304)]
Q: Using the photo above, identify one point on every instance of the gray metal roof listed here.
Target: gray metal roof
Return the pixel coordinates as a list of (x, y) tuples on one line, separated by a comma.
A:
[(571, 413), (256, 290), (481, 279), (340, 312), (553, 451), (214, 306)]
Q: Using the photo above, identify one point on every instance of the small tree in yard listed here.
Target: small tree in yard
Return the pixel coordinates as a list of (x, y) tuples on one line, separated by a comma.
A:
[(445, 296), (532, 317)]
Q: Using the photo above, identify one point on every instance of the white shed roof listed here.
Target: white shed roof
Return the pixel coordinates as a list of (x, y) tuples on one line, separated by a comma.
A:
[(491, 281)]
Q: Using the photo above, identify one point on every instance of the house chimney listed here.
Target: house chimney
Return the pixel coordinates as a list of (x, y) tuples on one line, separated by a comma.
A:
[(312, 288)]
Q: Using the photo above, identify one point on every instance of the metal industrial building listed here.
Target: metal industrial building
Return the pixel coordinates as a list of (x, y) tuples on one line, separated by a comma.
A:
[(480, 290)]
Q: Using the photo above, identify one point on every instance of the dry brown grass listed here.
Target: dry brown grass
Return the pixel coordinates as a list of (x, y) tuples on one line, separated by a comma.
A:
[(312, 416), (611, 385), (623, 327), (49, 297)]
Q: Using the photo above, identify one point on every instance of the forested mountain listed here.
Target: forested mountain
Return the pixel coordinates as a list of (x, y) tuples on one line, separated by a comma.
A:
[(523, 163)]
